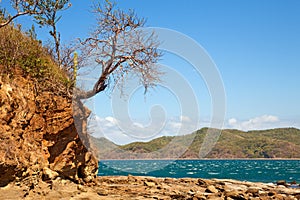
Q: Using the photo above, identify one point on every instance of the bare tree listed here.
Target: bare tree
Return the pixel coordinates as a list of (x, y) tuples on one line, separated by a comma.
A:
[(49, 17), (120, 50)]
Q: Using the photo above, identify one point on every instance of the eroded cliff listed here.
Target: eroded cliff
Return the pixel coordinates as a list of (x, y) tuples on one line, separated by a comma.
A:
[(38, 136)]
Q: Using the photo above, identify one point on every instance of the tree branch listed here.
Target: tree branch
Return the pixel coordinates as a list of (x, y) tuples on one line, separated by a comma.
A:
[(118, 48), (15, 16)]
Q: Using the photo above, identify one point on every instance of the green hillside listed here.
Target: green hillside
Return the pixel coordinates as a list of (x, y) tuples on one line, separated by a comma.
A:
[(273, 143)]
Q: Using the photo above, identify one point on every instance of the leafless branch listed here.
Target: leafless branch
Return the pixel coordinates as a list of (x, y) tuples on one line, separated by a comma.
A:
[(121, 48), (23, 8)]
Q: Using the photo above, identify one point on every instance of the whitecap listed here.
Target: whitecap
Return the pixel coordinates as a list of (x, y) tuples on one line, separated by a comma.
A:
[(213, 173)]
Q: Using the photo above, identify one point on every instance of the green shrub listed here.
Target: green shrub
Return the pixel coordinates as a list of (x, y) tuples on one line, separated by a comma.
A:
[(23, 51)]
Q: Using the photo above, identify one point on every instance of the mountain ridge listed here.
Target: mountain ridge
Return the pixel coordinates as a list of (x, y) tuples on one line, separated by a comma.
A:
[(270, 143)]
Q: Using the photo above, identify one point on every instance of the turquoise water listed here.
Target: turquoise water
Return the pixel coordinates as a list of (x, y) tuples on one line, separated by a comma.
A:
[(244, 170)]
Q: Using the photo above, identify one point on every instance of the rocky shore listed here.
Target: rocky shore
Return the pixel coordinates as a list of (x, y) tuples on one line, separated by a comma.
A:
[(132, 187)]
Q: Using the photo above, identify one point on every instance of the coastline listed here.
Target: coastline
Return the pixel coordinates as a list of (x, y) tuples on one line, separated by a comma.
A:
[(137, 187), (265, 171), (204, 159)]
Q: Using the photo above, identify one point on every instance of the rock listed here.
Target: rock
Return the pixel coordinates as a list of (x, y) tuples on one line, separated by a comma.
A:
[(88, 171), (203, 183), (117, 187), (211, 189), (191, 192), (235, 195), (131, 179), (281, 182), (81, 188), (215, 196), (49, 174), (253, 190), (102, 192), (278, 197), (271, 193), (281, 187), (40, 134), (178, 196), (199, 197), (168, 180), (149, 184)]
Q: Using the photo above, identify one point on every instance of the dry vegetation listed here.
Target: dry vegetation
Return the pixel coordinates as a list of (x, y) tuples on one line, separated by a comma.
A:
[(22, 54)]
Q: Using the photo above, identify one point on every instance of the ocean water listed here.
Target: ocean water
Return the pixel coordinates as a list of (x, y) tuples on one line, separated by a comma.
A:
[(266, 171)]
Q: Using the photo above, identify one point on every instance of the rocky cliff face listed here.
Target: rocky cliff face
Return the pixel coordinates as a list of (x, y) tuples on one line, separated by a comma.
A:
[(38, 136)]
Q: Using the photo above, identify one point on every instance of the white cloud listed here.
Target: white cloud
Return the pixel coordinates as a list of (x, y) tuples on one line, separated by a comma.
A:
[(264, 119), (139, 125), (232, 121), (184, 118), (111, 120), (122, 132), (261, 122)]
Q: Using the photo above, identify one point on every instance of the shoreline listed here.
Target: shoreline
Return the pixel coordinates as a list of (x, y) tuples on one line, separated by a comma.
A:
[(138, 187), (204, 159), (243, 170)]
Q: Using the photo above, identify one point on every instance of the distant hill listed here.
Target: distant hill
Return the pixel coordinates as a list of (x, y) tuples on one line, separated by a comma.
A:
[(273, 143)]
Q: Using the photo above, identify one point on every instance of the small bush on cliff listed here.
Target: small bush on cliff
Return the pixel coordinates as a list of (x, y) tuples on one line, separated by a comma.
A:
[(19, 50)]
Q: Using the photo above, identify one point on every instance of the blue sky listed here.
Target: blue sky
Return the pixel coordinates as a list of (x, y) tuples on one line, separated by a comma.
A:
[(255, 45)]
